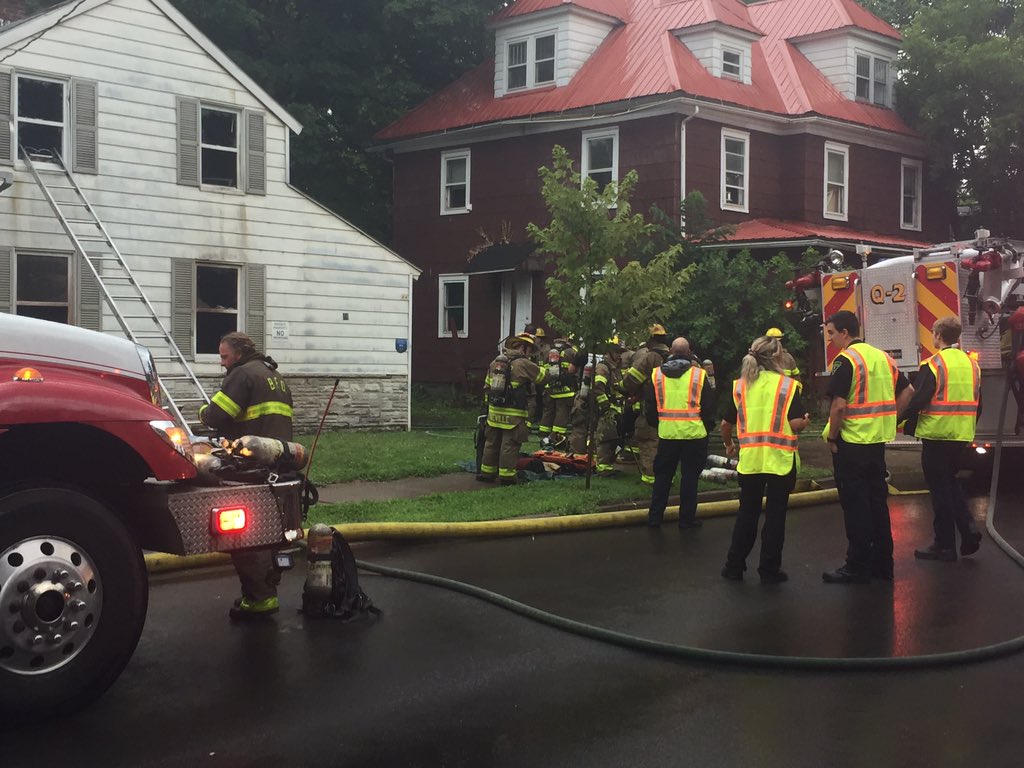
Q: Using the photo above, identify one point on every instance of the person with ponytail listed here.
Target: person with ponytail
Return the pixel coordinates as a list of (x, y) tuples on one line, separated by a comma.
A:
[(767, 413)]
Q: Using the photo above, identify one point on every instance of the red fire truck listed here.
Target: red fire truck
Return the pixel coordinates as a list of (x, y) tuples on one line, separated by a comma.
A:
[(92, 473)]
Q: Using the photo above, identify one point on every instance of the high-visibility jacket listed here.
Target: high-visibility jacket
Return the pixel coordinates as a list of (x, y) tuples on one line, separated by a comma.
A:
[(522, 371), (871, 402), (953, 409), (253, 400), (678, 400), (767, 443)]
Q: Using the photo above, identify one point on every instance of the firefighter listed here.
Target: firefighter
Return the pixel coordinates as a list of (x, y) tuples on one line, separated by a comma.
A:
[(252, 400), (787, 363), (765, 408), (540, 357), (644, 362), (867, 392), (559, 390), (607, 398), (680, 407), (943, 414), (507, 389)]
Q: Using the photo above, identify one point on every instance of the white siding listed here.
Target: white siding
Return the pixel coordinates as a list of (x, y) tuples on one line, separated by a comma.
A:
[(707, 45), (577, 36), (836, 58), (318, 266)]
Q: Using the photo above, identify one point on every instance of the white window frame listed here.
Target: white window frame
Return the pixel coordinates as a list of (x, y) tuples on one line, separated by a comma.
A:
[(832, 148), (531, 61), (744, 207), (738, 74), (238, 311), (599, 133), (446, 158), (872, 97), (918, 168), (237, 149), (442, 330), (65, 126)]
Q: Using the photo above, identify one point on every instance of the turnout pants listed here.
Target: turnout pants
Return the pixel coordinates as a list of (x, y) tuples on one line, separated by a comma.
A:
[(606, 437), (860, 478), (775, 490), (554, 422), (256, 573), (647, 448), (690, 456), (940, 461), (501, 450)]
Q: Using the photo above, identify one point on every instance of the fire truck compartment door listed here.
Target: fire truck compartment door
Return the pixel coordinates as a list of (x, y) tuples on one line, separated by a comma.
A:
[(890, 311)]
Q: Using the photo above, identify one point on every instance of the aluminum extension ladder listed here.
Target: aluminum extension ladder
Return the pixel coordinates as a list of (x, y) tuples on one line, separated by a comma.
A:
[(121, 291)]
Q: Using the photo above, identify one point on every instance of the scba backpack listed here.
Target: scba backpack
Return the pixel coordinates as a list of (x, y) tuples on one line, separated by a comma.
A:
[(347, 600)]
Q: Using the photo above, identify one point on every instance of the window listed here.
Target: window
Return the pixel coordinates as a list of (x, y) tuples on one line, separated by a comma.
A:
[(872, 79), (531, 62), (216, 305), (218, 164), (41, 115), (732, 63), (910, 207), (43, 287), (453, 306), (601, 156), (735, 170), (837, 168), (455, 182)]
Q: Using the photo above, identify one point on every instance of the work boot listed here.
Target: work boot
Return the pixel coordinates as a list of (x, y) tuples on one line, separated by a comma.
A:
[(695, 523), (486, 478), (845, 575), (970, 543), (774, 577), (732, 572), (507, 481), (246, 610), (936, 553)]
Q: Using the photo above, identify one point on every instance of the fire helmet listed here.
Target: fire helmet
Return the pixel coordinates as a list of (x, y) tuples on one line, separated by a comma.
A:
[(773, 333), (658, 330)]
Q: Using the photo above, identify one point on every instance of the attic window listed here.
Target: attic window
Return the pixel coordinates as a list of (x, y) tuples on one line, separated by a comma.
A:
[(545, 59), (732, 63), (40, 115), (531, 62), (873, 79)]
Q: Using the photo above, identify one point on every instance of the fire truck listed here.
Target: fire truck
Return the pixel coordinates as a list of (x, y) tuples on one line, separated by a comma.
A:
[(93, 471), (897, 301)]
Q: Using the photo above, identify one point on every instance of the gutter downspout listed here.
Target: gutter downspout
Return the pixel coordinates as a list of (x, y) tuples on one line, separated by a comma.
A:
[(408, 364)]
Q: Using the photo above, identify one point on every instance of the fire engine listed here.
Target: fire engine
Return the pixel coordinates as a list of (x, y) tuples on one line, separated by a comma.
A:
[(898, 299), (93, 471)]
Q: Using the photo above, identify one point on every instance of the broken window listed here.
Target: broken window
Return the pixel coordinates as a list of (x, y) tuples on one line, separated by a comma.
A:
[(40, 116), (216, 305), (219, 145), (42, 287)]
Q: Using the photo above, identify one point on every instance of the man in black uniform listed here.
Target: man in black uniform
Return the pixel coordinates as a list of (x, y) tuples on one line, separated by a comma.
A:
[(253, 400)]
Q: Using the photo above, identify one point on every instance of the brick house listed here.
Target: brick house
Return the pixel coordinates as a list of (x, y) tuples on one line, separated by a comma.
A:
[(780, 112)]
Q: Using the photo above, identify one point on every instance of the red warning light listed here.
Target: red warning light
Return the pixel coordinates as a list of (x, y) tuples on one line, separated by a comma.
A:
[(229, 519)]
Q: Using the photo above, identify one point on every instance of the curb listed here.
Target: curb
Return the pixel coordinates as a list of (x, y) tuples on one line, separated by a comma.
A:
[(163, 563)]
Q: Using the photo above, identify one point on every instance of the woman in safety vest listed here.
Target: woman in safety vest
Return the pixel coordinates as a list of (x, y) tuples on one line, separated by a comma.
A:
[(767, 413)]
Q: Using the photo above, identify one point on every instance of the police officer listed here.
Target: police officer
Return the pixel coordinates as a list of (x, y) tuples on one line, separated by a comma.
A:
[(507, 390), (644, 362), (680, 407), (252, 400), (867, 391), (766, 409), (943, 413)]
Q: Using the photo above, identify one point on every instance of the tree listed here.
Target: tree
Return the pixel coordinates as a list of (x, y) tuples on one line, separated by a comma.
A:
[(961, 84)]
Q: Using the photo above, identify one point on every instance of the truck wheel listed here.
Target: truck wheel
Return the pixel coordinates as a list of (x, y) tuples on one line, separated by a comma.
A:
[(73, 598)]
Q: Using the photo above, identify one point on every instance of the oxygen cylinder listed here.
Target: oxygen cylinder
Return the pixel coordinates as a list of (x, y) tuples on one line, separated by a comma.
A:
[(317, 589), (718, 475), (499, 381), (554, 363), (268, 451), (723, 462), (588, 378)]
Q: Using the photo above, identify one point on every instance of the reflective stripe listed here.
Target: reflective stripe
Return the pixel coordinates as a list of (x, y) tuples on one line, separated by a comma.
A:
[(272, 408), (635, 374), (782, 441), (226, 404), (599, 379)]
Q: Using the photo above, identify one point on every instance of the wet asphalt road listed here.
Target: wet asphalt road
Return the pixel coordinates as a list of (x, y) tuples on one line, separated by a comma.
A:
[(446, 680)]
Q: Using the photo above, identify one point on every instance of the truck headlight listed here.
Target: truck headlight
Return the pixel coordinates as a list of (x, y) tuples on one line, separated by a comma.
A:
[(176, 437), (149, 368)]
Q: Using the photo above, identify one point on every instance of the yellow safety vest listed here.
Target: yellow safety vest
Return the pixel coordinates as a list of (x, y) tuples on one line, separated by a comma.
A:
[(768, 445), (871, 402), (953, 410), (679, 404)]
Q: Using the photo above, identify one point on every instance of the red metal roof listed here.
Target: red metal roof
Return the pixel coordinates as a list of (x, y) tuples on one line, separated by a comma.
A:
[(777, 230), (643, 58), (614, 8)]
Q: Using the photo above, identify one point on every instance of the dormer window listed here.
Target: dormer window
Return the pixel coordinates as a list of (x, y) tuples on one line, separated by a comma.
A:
[(533, 56), (732, 63), (873, 79)]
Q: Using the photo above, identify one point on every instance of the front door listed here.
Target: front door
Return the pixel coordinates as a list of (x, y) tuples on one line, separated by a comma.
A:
[(516, 302)]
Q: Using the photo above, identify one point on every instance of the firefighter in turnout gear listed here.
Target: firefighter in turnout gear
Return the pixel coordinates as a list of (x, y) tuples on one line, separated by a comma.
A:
[(608, 400), (540, 356), (506, 389), (559, 390), (644, 362), (253, 400), (943, 413)]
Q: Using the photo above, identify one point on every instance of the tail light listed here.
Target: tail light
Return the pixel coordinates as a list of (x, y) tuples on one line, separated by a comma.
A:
[(229, 519)]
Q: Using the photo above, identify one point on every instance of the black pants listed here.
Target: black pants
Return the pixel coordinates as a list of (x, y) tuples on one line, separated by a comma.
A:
[(940, 460), (690, 456), (775, 489), (860, 478)]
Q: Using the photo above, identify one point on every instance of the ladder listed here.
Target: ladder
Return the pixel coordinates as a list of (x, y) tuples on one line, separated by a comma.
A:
[(121, 292)]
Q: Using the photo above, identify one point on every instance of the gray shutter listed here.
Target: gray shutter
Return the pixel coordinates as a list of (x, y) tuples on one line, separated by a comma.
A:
[(6, 288), (7, 152), (256, 305), (188, 142), (183, 275), (84, 126), (255, 153), (90, 299)]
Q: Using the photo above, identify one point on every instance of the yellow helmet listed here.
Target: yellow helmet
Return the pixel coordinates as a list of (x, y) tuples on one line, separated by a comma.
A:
[(773, 333), (526, 338), (658, 330), (614, 343), (540, 333)]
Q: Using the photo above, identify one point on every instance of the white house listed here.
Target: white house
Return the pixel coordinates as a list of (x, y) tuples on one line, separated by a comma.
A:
[(185, 161)]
